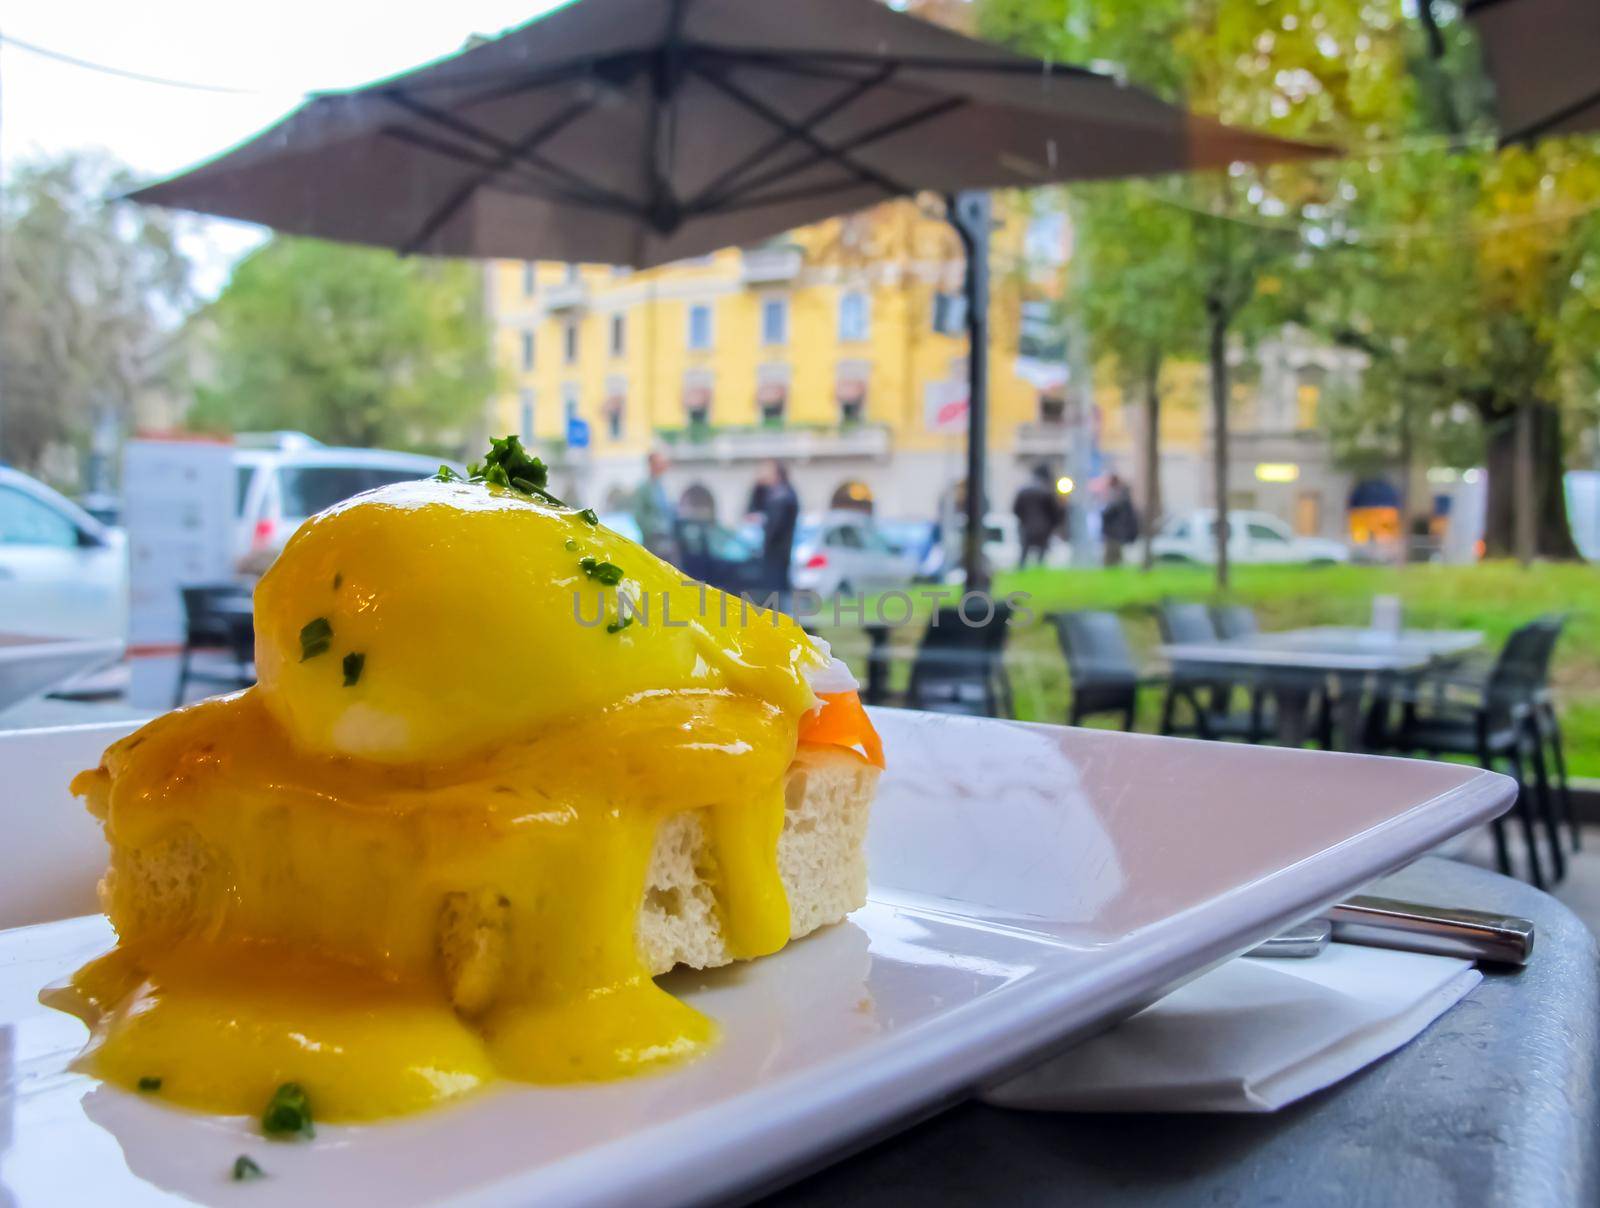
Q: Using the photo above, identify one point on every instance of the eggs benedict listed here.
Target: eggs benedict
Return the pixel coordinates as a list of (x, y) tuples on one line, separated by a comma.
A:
[(501, 767)]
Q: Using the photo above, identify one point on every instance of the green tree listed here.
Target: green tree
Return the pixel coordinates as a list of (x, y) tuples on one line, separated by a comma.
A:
[(351, 345), (1215, 247), (1458, 268), (90, 291)]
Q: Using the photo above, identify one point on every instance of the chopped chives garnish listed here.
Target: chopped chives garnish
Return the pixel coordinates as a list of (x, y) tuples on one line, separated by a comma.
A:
[(608, 573), (288, 1113), (245, 1169), (315, 638)]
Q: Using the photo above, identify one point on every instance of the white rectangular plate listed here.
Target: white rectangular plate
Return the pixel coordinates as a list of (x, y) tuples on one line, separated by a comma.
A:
[(1030, 885)]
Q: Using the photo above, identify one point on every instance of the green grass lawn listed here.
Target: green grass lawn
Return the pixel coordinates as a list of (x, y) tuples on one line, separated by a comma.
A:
[(1492, 597)]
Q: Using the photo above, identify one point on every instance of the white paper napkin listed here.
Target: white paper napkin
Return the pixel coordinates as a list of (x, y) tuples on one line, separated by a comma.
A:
[(1250, 1036)]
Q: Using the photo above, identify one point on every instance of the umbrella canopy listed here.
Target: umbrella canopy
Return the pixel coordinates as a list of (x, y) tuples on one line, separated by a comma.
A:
[(1544, 57), (637, 132)]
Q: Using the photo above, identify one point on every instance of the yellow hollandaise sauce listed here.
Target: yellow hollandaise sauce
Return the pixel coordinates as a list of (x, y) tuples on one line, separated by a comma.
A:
[(411, 859)]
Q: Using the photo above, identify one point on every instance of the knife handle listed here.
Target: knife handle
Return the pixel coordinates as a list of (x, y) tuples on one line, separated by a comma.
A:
[(1443, 931)]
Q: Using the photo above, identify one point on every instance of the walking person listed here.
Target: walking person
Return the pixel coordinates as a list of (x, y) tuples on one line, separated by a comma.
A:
[(1119, 520), (773, 501), (1039, 513), (653, 511)]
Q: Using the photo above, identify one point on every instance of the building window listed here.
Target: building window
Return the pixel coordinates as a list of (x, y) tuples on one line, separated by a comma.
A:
[(772, 399), (853, 317), (529, 278), (697, 402), (614, 408), (570, 343), (775, 321), (527, 351), (526, 399), (852, 395), (572, 274), (700, 326), (619, 335)]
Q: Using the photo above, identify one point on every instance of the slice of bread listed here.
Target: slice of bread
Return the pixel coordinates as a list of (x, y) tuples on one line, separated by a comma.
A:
[(821, 860), (180, 883)]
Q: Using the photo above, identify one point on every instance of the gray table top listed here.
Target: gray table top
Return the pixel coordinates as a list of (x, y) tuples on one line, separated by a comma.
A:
[(1498, 1102), (1330, 648)]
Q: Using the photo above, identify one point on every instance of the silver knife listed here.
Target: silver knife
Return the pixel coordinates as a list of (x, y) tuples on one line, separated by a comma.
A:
[(1412, 927)]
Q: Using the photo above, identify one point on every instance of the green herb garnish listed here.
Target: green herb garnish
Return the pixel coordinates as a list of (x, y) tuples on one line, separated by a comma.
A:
[(338, 581), (619, 625), (149, 1085), (244, 1169), (315, 638), (288, 1113), (353, 662), (590, 516), (446, 474), (608, 573)]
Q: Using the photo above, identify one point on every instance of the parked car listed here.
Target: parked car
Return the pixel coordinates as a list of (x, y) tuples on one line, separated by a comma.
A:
[(62, 572), (278, 487), (1252, 537), (919, 541), (1002, 548), (839, 553), (707, 551)]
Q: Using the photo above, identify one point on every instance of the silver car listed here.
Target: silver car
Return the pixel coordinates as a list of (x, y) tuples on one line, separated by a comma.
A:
[(278, 488), (842, 553)]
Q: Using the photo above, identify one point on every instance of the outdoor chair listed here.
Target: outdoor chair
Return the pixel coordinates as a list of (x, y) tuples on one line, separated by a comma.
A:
[(960, 667), (1234, 621), (217, 621), (1100, 665), (1493, 720), (1207, 691)]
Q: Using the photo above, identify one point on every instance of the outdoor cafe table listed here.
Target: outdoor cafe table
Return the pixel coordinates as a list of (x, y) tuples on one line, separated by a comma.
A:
[(1496, 1103), (1293, 662)]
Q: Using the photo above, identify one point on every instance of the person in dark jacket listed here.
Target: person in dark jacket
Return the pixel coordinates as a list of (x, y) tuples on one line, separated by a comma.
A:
[(774, 502), (1119, 520), (1039, 513)]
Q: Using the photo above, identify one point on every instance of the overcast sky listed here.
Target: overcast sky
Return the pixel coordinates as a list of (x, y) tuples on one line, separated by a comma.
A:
[(271, 53)]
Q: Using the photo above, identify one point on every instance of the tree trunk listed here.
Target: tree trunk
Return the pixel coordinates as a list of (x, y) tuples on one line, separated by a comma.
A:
[(1219, 433), (1552, 534), (1152, 456)]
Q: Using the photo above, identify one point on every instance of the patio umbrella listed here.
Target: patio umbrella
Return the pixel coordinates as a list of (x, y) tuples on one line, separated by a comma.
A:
[(637, 132), (1544, 58)]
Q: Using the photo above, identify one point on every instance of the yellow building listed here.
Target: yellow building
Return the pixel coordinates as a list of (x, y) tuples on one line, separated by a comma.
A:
[(821, 349), (827, 349)]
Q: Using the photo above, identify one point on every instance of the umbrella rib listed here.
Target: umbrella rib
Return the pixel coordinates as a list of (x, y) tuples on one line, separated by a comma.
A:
[(534, 185), (451, 206), (799, 193), (709, 195), (800, 134), (898, 126), (590, 190), (1010, 66)]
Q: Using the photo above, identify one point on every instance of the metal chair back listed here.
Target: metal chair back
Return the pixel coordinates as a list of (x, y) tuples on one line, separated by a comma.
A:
[(959, 666), (1100, 664), (1182, 623), (1234, 621)]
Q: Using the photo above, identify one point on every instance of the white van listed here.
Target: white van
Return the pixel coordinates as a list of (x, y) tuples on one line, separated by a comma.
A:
[(279, 487)]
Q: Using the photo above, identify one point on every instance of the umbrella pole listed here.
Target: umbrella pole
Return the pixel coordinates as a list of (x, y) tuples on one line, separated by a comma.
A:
[(969, 212)]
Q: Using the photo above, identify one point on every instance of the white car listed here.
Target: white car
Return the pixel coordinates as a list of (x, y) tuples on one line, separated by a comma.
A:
[(842, 553), (62, 573), (1252, 537), (277, 488)]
